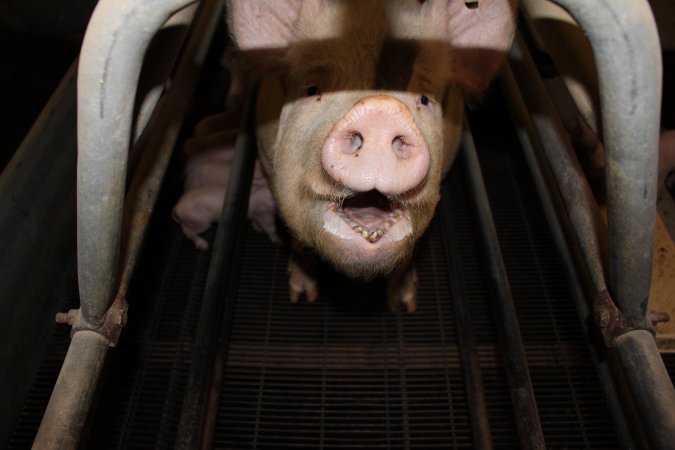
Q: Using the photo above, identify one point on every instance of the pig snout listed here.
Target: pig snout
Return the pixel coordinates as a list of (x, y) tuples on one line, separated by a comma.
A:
[(376, 145)]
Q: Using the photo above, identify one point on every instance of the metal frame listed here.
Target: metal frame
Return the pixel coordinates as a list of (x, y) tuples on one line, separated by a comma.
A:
[(112, 55), (623, 37)]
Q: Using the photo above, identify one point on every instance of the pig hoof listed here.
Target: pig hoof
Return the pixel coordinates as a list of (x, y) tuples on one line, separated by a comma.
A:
[(297, 288), (299, 282), (201, 244), (409, 300), (402, 289)]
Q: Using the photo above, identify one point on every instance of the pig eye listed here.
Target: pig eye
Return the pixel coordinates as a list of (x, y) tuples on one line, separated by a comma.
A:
[(425, 100), (312, 91)]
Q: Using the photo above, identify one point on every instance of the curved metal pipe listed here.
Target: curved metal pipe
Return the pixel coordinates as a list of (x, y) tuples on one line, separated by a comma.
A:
[(626, 47), (651, 390), (117, 37)]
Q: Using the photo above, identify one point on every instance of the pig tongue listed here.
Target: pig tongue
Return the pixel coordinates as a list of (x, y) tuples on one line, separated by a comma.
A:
[(370, 214)]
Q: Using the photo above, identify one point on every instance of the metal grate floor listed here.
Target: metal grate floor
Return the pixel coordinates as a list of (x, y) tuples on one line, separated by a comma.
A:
[(345, 372)]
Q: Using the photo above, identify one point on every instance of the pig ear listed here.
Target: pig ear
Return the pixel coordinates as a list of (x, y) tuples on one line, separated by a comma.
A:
[(480, 34), (263, 29)]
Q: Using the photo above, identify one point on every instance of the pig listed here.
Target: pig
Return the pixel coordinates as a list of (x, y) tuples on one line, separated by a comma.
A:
[(207, 172), (196, 210), (201, 204), (361, 119)]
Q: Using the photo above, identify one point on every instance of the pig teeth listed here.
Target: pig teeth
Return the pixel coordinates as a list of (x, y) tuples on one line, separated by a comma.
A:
[(373, 236)]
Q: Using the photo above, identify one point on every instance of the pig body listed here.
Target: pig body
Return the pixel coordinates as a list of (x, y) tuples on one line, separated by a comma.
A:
[(363, 121), (201, 204), (207, 170), (196, 210)]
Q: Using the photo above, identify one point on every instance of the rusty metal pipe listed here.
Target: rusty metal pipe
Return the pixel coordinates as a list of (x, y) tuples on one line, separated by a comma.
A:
[(69, 404), (112, 53), (626, 47)]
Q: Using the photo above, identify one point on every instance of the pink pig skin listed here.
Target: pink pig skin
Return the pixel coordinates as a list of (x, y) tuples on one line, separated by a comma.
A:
[(359, 117)]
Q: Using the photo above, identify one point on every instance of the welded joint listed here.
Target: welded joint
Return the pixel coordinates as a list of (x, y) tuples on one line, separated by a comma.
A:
[(612, 321), (110, 327)]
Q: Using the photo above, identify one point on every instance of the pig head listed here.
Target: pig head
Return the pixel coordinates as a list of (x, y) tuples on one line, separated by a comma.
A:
[(360, 113)]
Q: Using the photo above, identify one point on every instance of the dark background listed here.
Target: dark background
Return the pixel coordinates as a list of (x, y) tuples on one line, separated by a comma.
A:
[(39, 40)]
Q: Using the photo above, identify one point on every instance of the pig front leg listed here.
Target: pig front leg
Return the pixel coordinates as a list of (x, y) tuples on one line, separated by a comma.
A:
[(301, 273), (402, 288)]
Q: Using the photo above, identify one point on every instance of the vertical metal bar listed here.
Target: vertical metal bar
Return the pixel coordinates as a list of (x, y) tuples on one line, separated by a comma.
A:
[(69, 404), (112, 53), (220, 278), (626, 47), (522, 395), (473, 379)]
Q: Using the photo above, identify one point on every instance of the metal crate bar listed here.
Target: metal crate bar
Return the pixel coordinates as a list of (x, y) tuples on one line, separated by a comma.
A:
[(562, 230), (112, 54), (626, 47), (216, 308), (522, 395), (468, 349)]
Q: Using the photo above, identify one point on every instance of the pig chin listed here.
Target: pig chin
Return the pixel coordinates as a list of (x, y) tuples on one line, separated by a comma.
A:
[(364, 242)]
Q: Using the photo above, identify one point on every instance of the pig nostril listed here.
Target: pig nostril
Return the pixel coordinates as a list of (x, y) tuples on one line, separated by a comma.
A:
[(400, 147), (356, 141)]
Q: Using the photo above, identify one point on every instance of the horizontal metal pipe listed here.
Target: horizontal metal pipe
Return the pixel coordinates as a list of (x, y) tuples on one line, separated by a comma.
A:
[(626, 47), (650, 386), (522, 395), (110, 62), (69, 404)]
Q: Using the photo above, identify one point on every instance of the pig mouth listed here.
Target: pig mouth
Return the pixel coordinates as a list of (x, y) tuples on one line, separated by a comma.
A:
[(370, 215)]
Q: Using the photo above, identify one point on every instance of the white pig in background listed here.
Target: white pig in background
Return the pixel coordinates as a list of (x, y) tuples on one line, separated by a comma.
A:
[(362, 119), (209, 156)]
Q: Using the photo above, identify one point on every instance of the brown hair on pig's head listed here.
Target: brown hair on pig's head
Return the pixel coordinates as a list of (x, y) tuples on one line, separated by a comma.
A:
[(395, 65)]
